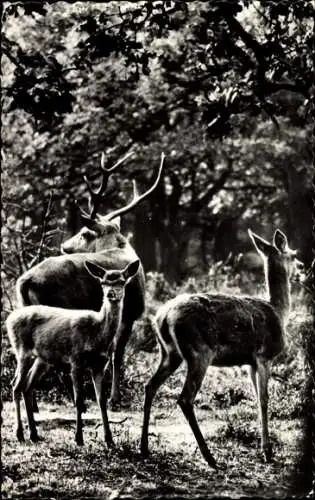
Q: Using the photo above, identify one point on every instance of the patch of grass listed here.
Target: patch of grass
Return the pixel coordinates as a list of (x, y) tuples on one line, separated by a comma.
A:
[(57, 467), (237, 431), (230, 398)]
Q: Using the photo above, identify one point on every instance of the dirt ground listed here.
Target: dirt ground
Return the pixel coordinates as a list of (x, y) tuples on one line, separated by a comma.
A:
[(57, 468)]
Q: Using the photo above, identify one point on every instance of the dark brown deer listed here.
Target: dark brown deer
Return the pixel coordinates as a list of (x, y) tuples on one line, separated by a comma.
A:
[(80, 338), (204, 329), (63, 281)]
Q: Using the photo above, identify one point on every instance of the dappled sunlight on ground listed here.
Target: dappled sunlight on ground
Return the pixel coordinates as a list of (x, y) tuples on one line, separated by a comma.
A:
[(56, 466)]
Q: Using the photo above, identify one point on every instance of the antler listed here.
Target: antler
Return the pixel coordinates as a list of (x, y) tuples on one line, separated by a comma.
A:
[(96, 196), (137, 197)]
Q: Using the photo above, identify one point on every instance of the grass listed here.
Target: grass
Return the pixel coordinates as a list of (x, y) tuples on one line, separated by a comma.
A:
[(56, 467)]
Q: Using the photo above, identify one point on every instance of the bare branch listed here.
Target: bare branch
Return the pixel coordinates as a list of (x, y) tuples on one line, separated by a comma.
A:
[(209, 193), (9, 299), (38, 254)]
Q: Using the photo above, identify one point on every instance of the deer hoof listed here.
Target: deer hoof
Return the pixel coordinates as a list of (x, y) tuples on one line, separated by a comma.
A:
[(20, 435), (109, 442), (213, 464), (79, 440), (34, 437), (267, 453)]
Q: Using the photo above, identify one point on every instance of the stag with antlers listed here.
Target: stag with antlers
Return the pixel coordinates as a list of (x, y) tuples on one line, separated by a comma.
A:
[(63, 281)]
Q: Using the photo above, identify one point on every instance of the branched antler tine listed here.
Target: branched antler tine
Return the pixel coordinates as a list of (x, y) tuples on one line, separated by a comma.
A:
[(90, 190), (108, 171), (96, 195), (119, 162), (137, 198), (103, 160), (84, 214), (135, 189)]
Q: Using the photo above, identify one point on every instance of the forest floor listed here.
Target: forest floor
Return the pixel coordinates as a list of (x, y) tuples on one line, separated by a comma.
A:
[(226, 410)]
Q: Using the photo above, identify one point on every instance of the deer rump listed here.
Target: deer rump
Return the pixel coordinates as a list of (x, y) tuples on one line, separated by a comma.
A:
[(235, 330), (64, 282)]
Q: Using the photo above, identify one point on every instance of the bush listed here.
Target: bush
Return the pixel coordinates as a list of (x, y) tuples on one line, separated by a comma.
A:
[(8, 365), (239, 432)]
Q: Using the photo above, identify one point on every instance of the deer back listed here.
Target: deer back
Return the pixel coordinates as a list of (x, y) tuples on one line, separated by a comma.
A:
[(63, 281), (56, 334), (235, 329)]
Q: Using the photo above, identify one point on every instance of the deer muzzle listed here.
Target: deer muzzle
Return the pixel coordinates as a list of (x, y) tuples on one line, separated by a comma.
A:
[(114, 295)]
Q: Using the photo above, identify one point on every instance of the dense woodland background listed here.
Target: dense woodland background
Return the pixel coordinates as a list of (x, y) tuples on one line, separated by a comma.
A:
[(224, 88)]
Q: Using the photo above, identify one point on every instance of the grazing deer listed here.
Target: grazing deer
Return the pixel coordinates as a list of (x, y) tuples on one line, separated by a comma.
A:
[(204, 329), (81, 338), (63, 281)]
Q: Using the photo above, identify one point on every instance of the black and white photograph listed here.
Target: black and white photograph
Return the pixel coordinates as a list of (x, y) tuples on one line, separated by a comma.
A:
[(157, 233)]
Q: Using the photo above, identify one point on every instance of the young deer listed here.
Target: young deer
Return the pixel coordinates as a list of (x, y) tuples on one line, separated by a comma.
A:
[(204, 329), (81, 338)]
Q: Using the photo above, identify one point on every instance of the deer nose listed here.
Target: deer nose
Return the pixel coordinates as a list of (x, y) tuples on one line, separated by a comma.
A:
[(113, 295)]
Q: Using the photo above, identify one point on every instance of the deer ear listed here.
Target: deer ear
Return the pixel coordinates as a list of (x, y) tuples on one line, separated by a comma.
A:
[(131, 269), (262, 246), (116, 222), (280, 240), (94, 269)]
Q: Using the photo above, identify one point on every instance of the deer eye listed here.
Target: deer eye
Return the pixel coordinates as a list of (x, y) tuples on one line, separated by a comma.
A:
[(87, 234)]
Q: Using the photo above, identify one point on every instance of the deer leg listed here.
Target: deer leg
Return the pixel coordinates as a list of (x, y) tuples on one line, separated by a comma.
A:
[(77, 380), (34, 403), (34, 399), (197, 367), (18, 387), (169, 362), (252, 371), (38, 368), (262, 388), (99, 382), (117, 359)]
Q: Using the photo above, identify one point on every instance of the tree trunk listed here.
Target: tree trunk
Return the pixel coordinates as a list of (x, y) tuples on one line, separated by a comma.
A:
[(300, 213), (225, 238), (173, 249), (144, 240)]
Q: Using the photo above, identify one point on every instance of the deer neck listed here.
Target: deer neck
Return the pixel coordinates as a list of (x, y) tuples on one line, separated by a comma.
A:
[(278, 287), (110, 318)]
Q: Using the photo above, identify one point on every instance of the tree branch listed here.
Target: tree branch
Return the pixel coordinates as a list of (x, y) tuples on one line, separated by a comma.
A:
[(38, 254), (206, 197), (265, 85)]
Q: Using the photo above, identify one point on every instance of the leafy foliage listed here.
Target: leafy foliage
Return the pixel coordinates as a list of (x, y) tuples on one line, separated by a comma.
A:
[(225, 92)]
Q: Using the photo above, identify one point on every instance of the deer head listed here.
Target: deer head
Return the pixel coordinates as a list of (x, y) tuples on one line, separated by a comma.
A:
[(103, 231), (113, 282), (279, 255)]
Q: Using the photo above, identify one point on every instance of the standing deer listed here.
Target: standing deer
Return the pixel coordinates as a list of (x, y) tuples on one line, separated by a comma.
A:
[(63, 281), (82, 338), (204, 329)]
